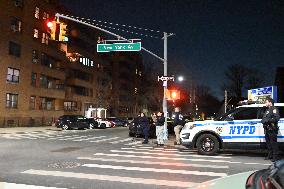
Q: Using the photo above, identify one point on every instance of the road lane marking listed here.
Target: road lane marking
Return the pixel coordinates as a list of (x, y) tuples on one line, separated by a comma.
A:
[(133, 143), (111, 178), (164, 158), (174, 154), (147, 169), (123, 140), (159, 150), (107, 139), (154, 163), (5, 185), (91, 138)]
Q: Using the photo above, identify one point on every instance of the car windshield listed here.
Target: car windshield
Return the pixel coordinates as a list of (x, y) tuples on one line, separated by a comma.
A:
[(222, 116)]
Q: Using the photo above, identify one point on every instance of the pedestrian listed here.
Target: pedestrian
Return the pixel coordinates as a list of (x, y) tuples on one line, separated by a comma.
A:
[(178, 124), (144, 123), (160, 129), (270, 124), (154, 118)]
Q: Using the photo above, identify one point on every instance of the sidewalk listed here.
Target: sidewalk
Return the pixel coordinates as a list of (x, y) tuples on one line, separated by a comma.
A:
[(14, 130)]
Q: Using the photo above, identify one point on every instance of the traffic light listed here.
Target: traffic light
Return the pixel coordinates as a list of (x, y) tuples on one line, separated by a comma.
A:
[(51, 29), (172, 94), (63, 32)]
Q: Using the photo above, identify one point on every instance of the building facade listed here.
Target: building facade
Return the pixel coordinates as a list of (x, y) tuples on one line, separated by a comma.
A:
[(44, 79), (32, 82)]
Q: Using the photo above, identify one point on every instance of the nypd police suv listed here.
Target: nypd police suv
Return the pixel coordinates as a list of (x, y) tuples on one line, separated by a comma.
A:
[(240, 128)]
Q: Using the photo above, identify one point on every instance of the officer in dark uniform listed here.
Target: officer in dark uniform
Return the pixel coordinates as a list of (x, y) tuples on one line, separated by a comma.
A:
[(270, 124)]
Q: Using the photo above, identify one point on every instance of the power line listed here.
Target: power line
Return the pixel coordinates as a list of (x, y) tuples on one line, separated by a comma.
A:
[(90, 21)]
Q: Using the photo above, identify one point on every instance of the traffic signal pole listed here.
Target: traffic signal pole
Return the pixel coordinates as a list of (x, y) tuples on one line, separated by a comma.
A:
[(165, 84), (164, 60)]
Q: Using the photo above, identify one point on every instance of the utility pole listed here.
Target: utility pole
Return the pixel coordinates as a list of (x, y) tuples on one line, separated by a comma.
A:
[(165, 84), (226, 101)]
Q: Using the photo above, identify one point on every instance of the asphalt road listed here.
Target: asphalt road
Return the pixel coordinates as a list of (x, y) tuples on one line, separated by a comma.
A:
[(109, 159)]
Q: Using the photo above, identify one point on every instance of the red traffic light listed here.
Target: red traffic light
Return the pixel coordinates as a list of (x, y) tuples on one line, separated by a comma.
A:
[(49, 24), (172, 94)]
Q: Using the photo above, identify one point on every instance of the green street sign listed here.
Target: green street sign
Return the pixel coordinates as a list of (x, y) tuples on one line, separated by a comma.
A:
[(119, 47)]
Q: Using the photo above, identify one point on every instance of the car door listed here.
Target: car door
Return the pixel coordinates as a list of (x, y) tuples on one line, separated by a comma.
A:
[(280, 137), (82, 122), (246, 126)]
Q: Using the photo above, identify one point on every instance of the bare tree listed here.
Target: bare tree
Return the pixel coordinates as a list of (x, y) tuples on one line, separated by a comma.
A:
[(236, 75), (239, 78)]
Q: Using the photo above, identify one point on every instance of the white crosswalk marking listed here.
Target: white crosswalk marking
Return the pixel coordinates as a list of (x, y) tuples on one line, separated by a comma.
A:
[(5, 185), (133, 143), (123, 140), (164, 158), (175, 154), (178, 171), (111, 178), (155, 163), (90, 138), (66, 137), (161, 150), (137, 163), (103, 140)]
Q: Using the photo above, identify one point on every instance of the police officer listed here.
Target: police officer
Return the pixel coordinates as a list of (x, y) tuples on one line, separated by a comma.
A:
[(270, 124), (178, 124), (144, 123)]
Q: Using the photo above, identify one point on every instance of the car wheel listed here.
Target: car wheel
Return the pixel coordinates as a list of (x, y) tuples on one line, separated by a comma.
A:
[(91, 126), (65, 127), (207, 144), (103, 126)]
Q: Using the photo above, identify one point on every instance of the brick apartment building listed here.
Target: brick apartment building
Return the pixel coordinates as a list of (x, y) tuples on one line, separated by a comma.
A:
[(43, 79)]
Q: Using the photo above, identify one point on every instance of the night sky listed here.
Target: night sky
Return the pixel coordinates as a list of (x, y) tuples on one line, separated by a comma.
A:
[(210, 35)]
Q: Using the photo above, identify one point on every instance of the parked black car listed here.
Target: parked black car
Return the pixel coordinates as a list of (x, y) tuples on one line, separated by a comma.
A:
[(118, 122), (75, 121), (135, 130)]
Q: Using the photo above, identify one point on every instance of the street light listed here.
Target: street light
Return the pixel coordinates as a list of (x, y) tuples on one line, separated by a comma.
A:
[(180, 78)]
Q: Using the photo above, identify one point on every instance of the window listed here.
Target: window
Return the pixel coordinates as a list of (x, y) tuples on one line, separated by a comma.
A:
[(11, 100), (16, 25), (46, 82), (45, 15), (43, 81), (37, 12), (46, 103), (14, 49), (18, 3), (262, 111), (33, 79), (42, 105), (36, 33), (13, 75), (35, 57), (70, 106), (44, 38), (32, 102), (247, 113)]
